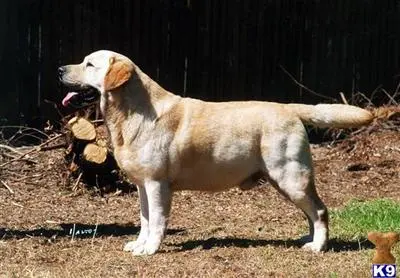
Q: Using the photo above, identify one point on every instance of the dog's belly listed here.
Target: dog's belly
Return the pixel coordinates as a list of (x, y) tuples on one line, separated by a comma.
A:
[(208, 176)]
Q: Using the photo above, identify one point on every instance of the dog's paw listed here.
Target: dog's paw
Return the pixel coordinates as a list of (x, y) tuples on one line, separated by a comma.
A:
[(147, 249), (131, 246), (312, 246)]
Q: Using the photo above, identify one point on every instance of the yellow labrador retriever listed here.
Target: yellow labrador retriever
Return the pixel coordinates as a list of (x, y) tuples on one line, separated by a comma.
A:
[(165, 143)]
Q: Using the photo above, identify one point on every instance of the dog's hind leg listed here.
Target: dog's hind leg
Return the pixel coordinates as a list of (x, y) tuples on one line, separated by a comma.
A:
[(298, 187), (159, 197), (144, 223), (317, 215), (290, 170)]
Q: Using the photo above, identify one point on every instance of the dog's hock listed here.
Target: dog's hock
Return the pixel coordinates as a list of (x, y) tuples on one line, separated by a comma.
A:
[(118, 73)]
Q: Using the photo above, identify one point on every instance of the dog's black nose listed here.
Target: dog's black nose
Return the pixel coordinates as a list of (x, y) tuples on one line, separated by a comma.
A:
[(61, 71)]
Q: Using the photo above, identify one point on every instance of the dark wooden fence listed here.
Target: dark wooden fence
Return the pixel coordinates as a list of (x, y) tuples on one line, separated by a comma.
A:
[(209, 49)]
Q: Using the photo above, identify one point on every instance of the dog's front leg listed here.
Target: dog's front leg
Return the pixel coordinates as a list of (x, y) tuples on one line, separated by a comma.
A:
[(144, 223), (159, 200)]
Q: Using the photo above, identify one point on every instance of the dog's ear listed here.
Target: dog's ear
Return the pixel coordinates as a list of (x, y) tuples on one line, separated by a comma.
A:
[(119, 72)]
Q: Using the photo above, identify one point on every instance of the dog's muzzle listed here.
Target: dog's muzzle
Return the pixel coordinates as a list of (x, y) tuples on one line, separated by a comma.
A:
[(81, 96)]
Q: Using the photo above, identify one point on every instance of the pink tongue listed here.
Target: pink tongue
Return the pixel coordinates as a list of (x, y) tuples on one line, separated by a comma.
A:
[(67, 98)]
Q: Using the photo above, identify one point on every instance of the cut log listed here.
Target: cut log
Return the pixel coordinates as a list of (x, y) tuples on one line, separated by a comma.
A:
[(89, 158), (82, 129), (102, 142), (95, 153)]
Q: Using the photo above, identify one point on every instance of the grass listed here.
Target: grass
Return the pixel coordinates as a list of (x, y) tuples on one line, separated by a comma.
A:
[(358, 218)]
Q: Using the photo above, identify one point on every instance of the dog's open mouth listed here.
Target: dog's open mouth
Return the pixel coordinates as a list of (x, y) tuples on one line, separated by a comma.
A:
[(80, 98)]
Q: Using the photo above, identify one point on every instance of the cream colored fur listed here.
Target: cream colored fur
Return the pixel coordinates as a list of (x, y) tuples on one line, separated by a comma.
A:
[(165, 143)]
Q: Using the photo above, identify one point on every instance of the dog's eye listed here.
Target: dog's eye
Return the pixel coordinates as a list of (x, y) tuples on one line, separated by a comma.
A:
[(89, 64)]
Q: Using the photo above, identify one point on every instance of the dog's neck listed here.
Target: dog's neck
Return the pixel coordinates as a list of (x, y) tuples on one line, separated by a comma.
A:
[(141, 100)]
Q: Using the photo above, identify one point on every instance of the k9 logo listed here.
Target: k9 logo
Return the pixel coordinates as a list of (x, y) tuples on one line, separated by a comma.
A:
[(383, 270)]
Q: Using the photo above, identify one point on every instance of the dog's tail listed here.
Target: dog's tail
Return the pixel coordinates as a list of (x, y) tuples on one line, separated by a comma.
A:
[(332, 115)]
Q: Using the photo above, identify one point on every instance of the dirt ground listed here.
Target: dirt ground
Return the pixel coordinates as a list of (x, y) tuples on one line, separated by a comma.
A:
[(228, 234)]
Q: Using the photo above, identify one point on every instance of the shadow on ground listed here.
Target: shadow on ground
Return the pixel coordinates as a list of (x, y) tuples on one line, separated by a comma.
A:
[(77, 230), (339, 245), (87, 231), (334, 245)]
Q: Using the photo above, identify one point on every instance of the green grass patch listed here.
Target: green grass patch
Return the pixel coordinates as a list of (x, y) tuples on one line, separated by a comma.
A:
[(358, 218)]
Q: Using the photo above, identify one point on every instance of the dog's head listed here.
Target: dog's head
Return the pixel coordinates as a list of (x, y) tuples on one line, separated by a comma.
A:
[(102, 71)]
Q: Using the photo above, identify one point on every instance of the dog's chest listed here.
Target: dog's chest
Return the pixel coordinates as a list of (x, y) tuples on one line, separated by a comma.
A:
[(129, 163), (143, 160)]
